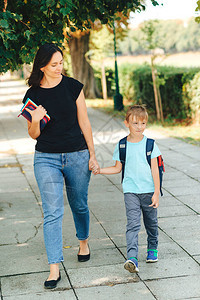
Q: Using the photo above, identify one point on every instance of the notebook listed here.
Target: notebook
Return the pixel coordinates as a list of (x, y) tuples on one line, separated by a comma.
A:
[(31, 105)]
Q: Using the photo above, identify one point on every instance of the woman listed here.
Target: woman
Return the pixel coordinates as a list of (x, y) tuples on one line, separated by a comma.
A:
[(64, 152)]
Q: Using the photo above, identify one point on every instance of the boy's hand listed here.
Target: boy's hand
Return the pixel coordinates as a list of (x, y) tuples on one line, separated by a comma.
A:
[(96, 172), (155, 200)]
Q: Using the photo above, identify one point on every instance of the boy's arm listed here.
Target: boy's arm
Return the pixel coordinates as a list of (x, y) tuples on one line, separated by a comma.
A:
[(156, 180), (112, 170)]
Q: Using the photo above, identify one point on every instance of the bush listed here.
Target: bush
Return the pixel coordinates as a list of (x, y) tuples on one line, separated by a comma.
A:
[(125, 80), (110, 80), (193, 92), (136, 85)]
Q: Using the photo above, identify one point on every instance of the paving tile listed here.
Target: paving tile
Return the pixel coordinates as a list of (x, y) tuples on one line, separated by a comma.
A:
[(18, 230), (181, 191), (106, 211), (172, 175), (188, 288), (168, 201), (192, 245), (111, 256), (51, 295), (102, 275), (175, 223), (24, 258), (192, 201), (197, 258), (30, 284), (178, 266), (180, 182), (118, 292), (175, 211), (19, 209), (111, 194), (184, 233)]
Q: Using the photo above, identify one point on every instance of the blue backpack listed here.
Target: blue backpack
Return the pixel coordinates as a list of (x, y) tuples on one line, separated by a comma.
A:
[(149, 149)]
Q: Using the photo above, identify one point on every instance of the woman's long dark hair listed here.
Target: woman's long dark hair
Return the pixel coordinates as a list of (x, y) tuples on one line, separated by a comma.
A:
[(42, 58)]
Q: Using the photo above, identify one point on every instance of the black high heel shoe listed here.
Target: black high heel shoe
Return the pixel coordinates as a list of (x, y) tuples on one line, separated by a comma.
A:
[(51, 284), (83, 258)]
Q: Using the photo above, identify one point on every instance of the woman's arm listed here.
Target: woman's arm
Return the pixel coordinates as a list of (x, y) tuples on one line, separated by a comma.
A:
[(85, 126), (156, 180), (34, 125), (112, 170)]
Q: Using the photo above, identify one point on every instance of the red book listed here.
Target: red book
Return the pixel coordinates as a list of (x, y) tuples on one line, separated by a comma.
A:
[(31, 105)]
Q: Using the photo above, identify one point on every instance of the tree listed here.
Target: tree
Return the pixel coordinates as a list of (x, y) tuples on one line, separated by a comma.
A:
[(151, 42), (24, 25), (101, 46), (197, 19), (80, 60), (173, 35), (192, 89), (101, 43)]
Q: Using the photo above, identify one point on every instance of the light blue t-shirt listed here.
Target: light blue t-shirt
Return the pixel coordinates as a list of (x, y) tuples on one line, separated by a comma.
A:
[(137, 175)]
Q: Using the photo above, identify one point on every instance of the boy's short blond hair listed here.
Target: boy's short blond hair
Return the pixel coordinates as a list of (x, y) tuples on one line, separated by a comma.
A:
[(139, 111)]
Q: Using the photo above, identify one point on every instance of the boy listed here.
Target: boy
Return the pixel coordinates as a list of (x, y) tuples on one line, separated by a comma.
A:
[(141, 187)]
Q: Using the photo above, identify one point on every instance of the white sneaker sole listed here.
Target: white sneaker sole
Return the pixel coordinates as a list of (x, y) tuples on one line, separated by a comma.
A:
[(131, 267), (151, 260)]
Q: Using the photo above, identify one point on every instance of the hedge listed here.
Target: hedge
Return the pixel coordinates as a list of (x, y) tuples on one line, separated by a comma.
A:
[(135, 83), (192, 97)]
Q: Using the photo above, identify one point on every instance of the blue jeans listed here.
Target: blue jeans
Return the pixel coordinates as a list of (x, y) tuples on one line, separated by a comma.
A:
[(51, 170), (135, 204)]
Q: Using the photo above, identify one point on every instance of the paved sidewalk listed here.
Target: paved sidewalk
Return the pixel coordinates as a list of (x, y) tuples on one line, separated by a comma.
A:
[(23, 263)]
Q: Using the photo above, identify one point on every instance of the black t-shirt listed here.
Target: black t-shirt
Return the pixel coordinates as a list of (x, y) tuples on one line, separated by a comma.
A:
[(62, 134)]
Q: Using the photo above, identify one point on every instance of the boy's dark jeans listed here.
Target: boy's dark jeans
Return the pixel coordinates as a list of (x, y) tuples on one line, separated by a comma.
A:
[(135, 204)]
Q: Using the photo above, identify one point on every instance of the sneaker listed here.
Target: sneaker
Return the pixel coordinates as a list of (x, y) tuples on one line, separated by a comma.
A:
[(131, 265), (152, 255)]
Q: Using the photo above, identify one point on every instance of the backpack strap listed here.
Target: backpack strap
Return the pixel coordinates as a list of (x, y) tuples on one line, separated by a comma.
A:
[(122, 153), (149, 149)]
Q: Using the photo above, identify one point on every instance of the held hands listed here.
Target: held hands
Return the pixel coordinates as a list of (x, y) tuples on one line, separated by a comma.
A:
[(38, 113), (93, 165), (155, 200)]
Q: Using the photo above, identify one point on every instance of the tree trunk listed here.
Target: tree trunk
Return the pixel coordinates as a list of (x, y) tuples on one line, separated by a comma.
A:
[(155, 89), (196, 117), (160, 105), (103, 81), (81, 68), (5, 5)]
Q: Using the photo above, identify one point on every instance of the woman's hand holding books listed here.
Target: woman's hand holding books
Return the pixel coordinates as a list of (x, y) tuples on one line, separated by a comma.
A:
[(37, 114)]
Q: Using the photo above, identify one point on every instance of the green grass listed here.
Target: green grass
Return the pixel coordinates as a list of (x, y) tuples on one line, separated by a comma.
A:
[(188, 133)]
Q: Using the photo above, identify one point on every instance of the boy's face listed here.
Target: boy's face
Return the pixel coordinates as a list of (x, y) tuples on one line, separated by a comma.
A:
[(136, 125)]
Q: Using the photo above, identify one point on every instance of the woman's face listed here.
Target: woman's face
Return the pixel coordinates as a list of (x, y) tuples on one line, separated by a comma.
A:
[(54, 67)]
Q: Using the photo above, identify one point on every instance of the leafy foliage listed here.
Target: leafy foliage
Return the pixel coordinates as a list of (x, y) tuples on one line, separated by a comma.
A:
[(171, 35), (136, 84), (24, 25), (193, 92), (101, 44), (149, 38), (197, 19), (110, 80)]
